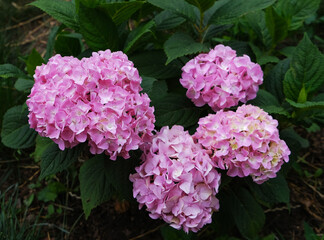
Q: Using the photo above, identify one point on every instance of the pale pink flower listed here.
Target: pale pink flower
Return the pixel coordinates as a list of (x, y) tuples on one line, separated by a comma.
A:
[(245, 142), (177, 181), (221, 79)]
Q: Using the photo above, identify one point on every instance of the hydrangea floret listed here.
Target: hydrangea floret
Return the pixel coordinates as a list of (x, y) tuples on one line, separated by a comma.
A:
[(177, 181), (245, 142), (221, 79), (96, 99)]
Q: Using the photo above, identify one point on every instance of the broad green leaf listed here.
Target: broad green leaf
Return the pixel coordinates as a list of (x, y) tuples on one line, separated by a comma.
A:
[(262, 57), (16, 132), (24, 84), (268, 103), (67, 45), (175, 110), (41, 145), (98, 29), (180, 44), (276, 26), (180, 7), (100, 178), (168, 20), (51, 191), (61, 10), (169, 233), (227, 11), (257, 21), (50, 42), (202, 5), (274, 190), (121, 11), (293, 139), (152, 64), (246, 212), (54, 160), (34, 59), (90, 3), (306, 71), (136, 34), (306, 104), (95, 182), (295, 12), (147, 83), (9, 70), (274, 78), (309, 233), (158, 91)]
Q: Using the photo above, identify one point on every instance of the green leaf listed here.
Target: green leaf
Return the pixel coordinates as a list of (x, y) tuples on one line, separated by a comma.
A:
[(274, 190), (169, 233), (203, 5), (121, 11), (293, 139), (23, 84), (54, 160), (152, 64), (306, 70), (246, 212), (9, 70), (158, 91), (67, 45), (50, 42), (276, 25), (295, 12), (180, 44), (227, 11), (61, 10), (175, 110), (16, 132), (268, 103), (51, 191), (309, 233), (180, 7), (98, 29), (34, 59), (306, 104), (42, 144), (136, 34), (262, 57), (273, 80), (95, 182), (257, 21), (147, 83), (168, 20)]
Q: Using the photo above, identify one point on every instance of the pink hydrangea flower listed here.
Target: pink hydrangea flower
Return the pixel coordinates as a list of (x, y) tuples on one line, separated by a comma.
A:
[(245, 142), (95, 99), (221, 79), (177, 181)]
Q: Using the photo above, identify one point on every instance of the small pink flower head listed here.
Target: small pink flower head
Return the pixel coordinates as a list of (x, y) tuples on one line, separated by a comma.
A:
[(95, 99), (221, 79), (177, 181), (245, 142)]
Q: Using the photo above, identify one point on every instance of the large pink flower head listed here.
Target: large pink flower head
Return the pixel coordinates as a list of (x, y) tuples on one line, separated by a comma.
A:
[(177, 181), (245, 142), (95, 99), (221, 79)]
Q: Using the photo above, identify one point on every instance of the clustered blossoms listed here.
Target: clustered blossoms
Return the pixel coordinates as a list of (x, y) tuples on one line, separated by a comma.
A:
[(245, 142), (221, 79), (95, 99), (177, 181)]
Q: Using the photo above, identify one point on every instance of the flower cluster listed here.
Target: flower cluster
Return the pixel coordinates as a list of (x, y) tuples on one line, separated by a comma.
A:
[(245, 142), (221, 79), (95, 99), (177, 181)]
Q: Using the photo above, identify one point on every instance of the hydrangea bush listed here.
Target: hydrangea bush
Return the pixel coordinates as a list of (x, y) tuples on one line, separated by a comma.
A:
[(199, 96)]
